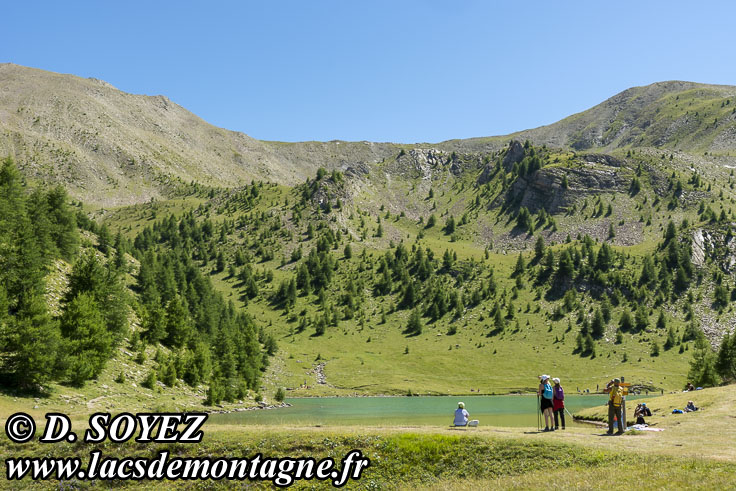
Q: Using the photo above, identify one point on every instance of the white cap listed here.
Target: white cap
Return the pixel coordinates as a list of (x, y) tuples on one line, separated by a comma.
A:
[(556, 380)]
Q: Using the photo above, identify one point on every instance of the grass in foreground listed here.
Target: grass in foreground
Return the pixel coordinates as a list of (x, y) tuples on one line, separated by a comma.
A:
[(404, 460)]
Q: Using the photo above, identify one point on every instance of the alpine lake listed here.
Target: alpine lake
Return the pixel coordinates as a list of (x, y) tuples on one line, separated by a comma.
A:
[(500, 410)]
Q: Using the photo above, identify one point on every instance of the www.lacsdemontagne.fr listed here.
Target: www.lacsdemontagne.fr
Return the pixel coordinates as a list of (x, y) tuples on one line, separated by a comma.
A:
[(162, 428), (281, 472)]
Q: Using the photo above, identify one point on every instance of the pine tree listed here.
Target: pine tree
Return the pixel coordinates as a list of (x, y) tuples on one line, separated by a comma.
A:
[(703, 371), (642, 318), (726, 361), (409, 298), (671, 339), (153, 324), (539, 248), (520, 266), (64, 224), (31, 348), (654, 350), (589, 346), (499, 323), (598, 326), (89, 343), (104, 239), (625, 322), (414, 325), (648, 273), (671, 232), (565, 266), (178, 328), (510, 310), (606, 308), (720, 296), (450, 225)]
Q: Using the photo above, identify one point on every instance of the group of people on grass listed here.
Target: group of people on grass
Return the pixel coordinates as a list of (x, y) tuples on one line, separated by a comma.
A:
[(552, 402), (552, 405)]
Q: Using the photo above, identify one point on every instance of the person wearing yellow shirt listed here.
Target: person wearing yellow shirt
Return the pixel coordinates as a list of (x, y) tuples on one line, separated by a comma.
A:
[(615, 400)]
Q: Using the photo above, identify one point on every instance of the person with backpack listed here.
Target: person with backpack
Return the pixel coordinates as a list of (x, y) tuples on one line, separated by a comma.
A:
[(558, 403), (547, 394), (615, 400)]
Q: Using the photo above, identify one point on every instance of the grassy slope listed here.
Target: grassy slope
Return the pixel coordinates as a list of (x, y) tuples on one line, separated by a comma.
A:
[(371, 359)]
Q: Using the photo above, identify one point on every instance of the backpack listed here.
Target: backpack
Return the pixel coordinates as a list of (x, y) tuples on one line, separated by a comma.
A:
[(547, 391)]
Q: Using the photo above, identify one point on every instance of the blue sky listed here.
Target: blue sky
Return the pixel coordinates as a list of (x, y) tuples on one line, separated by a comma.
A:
[(404, 71)]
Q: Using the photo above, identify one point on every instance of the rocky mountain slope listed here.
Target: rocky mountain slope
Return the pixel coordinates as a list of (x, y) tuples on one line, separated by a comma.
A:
[(109, 147), (677, 115)]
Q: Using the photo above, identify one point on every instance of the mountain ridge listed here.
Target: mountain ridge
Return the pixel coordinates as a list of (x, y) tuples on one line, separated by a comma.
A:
[(113, 148)]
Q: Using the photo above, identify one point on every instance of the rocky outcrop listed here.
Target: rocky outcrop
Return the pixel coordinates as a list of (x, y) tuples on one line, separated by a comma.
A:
[(486, 174), (603, 159), (716, 246), (514, 154), (544, 188), (358, 169), (698, 246)]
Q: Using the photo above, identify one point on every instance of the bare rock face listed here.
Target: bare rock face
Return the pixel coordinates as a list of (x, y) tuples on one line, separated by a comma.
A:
[(486, 174), (698, 246), (544, 188), (358, 169), (426, 159), (514, 154), (715, 245), (604, 159)]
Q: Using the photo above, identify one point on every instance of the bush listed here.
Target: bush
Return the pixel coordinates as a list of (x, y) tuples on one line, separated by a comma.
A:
[(280, 395)]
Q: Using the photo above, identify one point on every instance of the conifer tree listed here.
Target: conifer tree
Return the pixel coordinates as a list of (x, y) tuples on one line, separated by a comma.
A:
[(88, 342)]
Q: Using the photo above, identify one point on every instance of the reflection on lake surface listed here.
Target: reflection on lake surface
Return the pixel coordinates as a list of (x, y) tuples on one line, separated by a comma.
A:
[(510, 410)]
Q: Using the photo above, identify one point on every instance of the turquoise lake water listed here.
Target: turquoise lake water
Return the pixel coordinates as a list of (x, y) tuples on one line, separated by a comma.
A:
[(509, 410)]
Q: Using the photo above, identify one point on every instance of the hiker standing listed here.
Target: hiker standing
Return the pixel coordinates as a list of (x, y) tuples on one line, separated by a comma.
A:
[(615, 400), (547, 394), (558, 403)]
